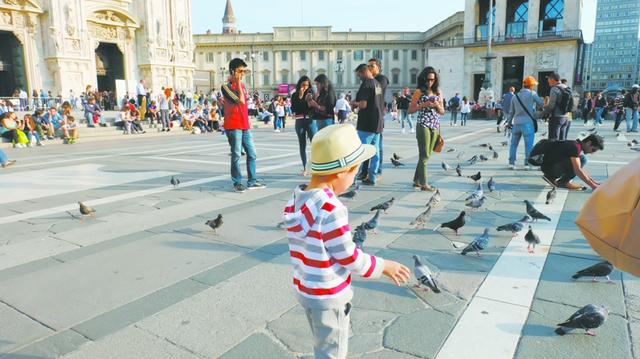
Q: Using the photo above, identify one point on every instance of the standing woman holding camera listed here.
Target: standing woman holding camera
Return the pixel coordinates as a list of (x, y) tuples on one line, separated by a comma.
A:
[(305, 126), (427, 101)]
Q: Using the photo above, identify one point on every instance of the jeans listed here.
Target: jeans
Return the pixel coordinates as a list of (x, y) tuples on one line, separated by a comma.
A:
[(598, 118), (3, 157), (324, 123), (525, 130), (330, 328), (278, 123), (463, 119), (405, 115), (557, 128), (563, 171), (89, 117), (381, 156), (426, 140), (371, 138), (632, 119), (454, 117), (305, 128), (238, 140), (164, 118)]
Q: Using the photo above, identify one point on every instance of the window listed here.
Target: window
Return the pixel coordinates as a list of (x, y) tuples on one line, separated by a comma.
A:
[(414, 78), (321, 55), (396, 54), (228, 56), (414, 55), (518, 13), (283, 56), (266, 79), (284, 78), (358, 55), (340, 55), (247, 56), (376, 54), (265, 55), (209, 56), (303, 55), (395, 78)]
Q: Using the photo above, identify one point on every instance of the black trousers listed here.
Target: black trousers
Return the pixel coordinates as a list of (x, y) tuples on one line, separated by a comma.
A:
[(619, 117), (563, 171)]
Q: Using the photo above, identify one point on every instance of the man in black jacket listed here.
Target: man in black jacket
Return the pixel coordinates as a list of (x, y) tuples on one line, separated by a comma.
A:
[(631, 103)]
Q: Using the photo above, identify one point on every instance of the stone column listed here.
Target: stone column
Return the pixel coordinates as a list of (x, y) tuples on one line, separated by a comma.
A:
[(386, 63), (348, 71), (275, 74), (311, 72), (330, 67), (501, 19), (291, 70), (405, 78), (534, 17)]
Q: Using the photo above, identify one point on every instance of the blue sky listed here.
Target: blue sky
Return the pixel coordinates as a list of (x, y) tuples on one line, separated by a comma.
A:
[(359, 15)]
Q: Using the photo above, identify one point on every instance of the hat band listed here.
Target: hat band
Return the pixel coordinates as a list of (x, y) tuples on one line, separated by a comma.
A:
[(339, 163)]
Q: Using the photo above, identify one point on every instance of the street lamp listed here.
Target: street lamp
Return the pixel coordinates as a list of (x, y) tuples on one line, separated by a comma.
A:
[(222, 72), (339, 69), (253, 57)]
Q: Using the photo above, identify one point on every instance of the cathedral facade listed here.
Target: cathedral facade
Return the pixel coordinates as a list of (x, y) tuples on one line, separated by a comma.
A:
[(64, 45)]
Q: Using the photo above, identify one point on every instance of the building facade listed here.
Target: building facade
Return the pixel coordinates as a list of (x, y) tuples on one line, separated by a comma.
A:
[(614, 53), (63, 45)]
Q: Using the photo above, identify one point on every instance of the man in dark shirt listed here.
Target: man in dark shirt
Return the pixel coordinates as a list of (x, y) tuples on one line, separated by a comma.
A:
[(376, 67), (565, 160), (403, 105), (370, 103)]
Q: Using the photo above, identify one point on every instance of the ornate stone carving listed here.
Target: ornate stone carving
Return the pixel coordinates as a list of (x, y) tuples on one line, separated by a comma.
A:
[(5, 18), (73, 44), (32, 23), (547, 59), (70, 28), (109, 16), (183, 35)]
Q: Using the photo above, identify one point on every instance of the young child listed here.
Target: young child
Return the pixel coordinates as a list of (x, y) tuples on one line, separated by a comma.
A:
[(322, 251)]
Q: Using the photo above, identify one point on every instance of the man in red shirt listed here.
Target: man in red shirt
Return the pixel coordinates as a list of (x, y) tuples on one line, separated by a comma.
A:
[(237, 128)]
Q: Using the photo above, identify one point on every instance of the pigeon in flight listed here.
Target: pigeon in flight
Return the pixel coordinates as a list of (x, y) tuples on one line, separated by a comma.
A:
[(479, 243), (372, 224), (588, 317), (396, 163), (491, 185), (455, 224), (515, 227), (422, 218), (424, 276), (532, 240), (175, 182), (359, 236), (215, 223), (445, 166), (396, 157), (476, 202), (86, 210), (384, 206), (459, 170), (534, 213), (602, 269), (551, 195), (476, 194), (351, 194), (476, 177)]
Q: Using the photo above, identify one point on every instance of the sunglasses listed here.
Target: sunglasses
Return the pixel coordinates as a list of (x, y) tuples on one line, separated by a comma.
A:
[(431, 79)]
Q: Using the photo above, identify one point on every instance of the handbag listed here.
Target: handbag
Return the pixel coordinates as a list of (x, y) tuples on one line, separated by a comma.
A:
[(610, 219), (438, 143), (535, 123)]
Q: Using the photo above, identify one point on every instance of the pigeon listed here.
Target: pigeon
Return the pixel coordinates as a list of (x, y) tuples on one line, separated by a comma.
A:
[(476, 203), (175, 182), (532, 240), (602, 269), (435, 199), (490, 148), (479, 243), (86, 210), (423, 275), (384, 206), (634, 141), (476, 177), (491, 185), (629, 144), (351, 194), (445, 166), (534, 213), (422, 218), (476, 194), (483, 158), (495, 155), (359, 236), (459, 170), (591, 129), (485, 145), (396, 157), (473, 160), (588, 317), (459, 156), (636, 148), (452, 149), (396, 163), (551, 195), (215, 223), (504, 143), (455, 224), (372, 224), (515, 227)]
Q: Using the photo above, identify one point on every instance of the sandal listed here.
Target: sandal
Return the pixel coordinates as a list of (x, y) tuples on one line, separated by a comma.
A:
[(427, 188)]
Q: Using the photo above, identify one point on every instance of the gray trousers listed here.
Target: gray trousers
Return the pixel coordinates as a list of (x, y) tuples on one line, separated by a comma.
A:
[(164, 118), (330, 328)]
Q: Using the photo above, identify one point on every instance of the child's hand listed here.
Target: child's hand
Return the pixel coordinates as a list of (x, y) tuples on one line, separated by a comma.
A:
[(398, 273)]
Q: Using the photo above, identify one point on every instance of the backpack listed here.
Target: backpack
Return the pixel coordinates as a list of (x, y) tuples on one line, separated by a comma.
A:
[(536, 158), (566, 102)]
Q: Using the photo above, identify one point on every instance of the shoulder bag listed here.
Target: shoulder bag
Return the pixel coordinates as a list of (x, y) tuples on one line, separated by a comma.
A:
[(535, 123)]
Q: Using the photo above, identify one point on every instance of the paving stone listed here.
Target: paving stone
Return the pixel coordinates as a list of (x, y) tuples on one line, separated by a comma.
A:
[(16, 329), (32, 249), (420, 333), (364, 343), (293, 330), (384, 296), (540, 341), (632, 301), (257, 346), (232, 267), (443, 301), (53, 346), (368, 321), (387, 354)]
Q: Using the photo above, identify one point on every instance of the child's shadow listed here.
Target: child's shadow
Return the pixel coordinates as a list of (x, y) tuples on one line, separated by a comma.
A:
[(385, 287)]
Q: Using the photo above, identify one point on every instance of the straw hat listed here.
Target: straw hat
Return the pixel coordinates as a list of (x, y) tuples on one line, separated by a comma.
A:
[(336, 148)]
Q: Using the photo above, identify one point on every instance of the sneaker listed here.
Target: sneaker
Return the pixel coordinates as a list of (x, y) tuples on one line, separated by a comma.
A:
[(19, 145), (368, 182), (30, 144), (402, 131), (427, 188), (413, 130), (527, 168), (8, 163), (512, 167), (256, 185), (239, 187), (40, 144), (276, 130)]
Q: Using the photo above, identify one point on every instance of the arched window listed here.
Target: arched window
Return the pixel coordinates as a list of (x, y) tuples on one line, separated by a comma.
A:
[(517, 16), (483, 20), (551, 16)]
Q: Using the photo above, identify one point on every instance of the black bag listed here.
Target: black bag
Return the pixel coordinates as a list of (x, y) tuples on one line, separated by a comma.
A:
[(535, 123), (566, 102), (536, 158)]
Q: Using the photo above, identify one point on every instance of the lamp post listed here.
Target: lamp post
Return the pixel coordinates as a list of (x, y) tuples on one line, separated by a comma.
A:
[(339, 69), (253, 57), (222, 71)]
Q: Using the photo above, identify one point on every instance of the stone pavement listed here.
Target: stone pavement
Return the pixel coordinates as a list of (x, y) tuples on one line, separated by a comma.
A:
[(145, 278)]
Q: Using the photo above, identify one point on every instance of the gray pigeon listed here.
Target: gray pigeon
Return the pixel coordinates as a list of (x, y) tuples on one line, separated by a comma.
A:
[(551, 195), (504, 143), (445, 166), (359, 236), (372, 224), (476, 194), (452, 149), (532, 239), (476, 203), (215, 223), (485, 145), (602, 269), (175, 182), (515, 227), (351, 194), (422, 218), (384, 206), (459, 170), (423, 275), (479, 243), (636, 148), (396, 157), (483, 158), (588, 317), (396, 163), (491, 185), (86, 210), (534, 213), (495, 155), (473, 160), (435, 199)]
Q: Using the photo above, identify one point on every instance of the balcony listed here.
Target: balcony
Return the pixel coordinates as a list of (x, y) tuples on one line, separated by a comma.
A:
[(516, 29), (548, 35)]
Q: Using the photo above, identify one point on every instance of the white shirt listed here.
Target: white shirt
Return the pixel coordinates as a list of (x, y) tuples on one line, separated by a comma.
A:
[(140, 89), (465, 107), (342, 105), (23, 94)]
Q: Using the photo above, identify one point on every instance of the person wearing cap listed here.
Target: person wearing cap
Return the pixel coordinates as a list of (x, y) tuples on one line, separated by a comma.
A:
[(558, 119), (520, 117), (236, 125), (631, 103), (322, 250)]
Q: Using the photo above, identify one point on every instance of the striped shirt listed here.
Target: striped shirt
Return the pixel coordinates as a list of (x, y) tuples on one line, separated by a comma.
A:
[(322, 251)]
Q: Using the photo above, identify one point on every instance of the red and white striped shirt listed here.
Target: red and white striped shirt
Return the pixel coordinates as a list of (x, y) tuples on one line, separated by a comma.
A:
[(322, 251)]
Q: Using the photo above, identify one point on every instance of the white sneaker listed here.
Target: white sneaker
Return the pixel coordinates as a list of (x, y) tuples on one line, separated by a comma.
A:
[(512, 167), (276, 130), (527, 168), (413, 130), (19, 145), (40, 144), (402, 131)]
